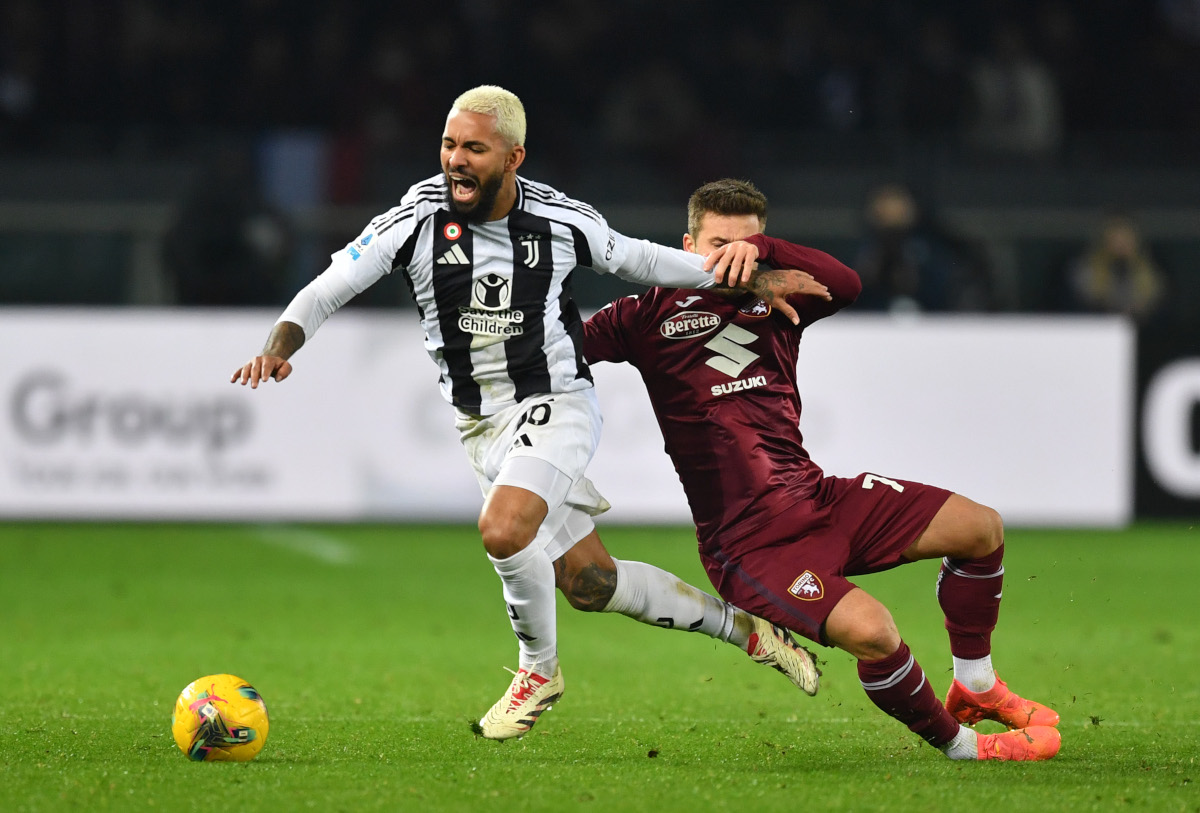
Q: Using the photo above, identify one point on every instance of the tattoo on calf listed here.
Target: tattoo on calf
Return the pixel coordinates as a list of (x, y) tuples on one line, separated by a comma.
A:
[(590, 589)]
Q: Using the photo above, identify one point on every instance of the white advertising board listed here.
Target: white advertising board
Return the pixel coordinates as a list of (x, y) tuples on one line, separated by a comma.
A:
[(130, 414), (1032, 416)]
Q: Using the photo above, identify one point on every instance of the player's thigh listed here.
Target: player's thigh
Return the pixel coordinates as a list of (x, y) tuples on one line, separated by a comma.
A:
[(961, 529), (561, 430), (794, 585), (556, 522), (880, 516), (530, 460)]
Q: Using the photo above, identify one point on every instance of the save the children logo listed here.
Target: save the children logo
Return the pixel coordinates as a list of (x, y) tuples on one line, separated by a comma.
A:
[(490, 316)]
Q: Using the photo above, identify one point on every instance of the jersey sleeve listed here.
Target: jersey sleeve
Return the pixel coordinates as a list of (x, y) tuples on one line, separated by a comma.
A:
[(316, 302), (653, 264), (369, 257), (606, 334), (842, 281), (357, 266), (642, 261)]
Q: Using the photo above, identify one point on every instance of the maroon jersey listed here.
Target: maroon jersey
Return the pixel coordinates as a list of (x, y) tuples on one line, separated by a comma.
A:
[(721, 374)]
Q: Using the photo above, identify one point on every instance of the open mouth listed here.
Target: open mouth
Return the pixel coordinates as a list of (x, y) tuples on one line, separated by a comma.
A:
[(463, 189)]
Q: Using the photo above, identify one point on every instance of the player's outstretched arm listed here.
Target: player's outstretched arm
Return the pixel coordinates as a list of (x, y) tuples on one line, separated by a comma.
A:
[(774, 286), (841, 281), (733, 265), (285, 339)]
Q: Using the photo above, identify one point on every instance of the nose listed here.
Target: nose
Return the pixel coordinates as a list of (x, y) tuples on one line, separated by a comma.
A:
[(457, 158)]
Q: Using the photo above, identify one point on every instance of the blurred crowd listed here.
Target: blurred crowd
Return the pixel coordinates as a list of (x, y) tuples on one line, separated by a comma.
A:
[(911, 263), (649, 76), (682, 88)]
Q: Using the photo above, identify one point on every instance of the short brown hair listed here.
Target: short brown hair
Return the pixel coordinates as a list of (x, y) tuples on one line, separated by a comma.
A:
[(727, 196)]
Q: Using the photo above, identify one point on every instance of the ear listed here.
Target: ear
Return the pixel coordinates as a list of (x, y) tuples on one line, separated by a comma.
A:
[(516, 157), (689, 245)]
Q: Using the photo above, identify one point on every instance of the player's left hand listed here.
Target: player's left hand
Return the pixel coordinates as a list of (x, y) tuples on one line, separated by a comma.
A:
[(776, 285), (733, 264)]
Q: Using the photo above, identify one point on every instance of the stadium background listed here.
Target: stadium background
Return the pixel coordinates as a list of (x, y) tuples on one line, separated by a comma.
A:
[(206, 159), (171, 172)]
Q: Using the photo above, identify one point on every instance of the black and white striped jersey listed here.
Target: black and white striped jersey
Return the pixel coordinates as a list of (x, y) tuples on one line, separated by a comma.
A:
[(495, 298)]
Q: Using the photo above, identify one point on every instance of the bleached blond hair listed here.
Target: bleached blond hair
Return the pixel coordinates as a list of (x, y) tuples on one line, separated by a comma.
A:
[(492, 100)]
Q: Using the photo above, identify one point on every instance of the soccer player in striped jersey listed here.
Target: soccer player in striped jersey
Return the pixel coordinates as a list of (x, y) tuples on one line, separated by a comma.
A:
[(488, 256), (778, 537)]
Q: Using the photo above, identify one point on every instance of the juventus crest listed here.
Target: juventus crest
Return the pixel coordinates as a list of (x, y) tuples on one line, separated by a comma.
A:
[(532, 252)]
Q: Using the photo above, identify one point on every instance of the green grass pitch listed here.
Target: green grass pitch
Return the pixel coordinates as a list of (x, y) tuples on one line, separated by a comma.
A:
[(375, 646)]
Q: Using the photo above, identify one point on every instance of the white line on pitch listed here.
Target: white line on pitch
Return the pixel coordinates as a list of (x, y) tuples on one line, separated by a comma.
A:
[(316, 545)]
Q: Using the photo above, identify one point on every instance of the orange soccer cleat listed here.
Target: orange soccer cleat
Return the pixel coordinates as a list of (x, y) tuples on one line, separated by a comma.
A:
[(999, 704), (1023, 745)]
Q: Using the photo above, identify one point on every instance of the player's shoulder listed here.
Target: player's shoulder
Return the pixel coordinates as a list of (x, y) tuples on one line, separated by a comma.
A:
[(642, 306), (420, 199), (544, 200)]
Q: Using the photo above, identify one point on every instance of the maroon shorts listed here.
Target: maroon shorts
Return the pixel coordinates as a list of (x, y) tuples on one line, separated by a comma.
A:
[(793, 571)]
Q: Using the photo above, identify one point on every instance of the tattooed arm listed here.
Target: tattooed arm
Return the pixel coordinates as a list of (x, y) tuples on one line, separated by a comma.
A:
[(839, 284), (774, 286), (285, 339)]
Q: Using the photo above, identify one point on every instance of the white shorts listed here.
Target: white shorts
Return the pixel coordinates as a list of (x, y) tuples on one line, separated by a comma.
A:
[(543, 445)]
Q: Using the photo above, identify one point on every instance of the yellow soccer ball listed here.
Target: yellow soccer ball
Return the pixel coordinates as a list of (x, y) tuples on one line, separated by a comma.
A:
[(220, 718)]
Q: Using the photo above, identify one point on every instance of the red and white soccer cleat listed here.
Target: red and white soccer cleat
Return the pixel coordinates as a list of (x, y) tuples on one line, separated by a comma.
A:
[(527, 697), (774, 646)]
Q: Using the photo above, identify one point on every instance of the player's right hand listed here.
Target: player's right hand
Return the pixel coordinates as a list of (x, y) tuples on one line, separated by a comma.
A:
[(733, 264), (260, 368)]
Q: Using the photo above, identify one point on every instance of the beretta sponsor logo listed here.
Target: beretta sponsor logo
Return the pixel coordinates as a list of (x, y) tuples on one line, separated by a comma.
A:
[(689, 324)]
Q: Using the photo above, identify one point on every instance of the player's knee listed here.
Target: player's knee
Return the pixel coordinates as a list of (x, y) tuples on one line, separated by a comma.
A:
[(868, 632), (994, 529), (989, 533), (875, 641), (502, 536)]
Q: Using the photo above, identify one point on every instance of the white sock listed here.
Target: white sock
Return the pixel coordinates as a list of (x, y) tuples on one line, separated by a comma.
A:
[(528, 579), (965, 745), (653, 596), (977, 674)]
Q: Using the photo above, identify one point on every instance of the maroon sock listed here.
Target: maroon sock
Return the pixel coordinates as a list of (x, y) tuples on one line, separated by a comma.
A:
[(897, 685), (969, 592)]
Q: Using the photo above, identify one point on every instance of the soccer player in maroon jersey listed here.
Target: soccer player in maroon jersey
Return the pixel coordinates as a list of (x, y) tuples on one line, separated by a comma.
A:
[(778, 537)]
